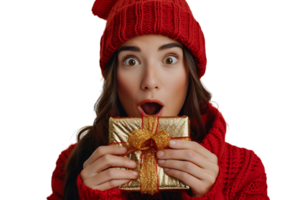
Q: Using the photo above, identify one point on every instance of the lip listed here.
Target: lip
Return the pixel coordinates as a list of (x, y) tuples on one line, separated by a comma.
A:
[(144, 114), (151, 101)]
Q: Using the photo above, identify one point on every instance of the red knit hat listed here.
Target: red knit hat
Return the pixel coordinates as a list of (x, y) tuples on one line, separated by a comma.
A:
[(129, 18)]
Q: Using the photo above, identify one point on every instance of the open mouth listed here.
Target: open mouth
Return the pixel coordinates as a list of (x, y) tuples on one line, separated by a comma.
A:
[(151, 108)]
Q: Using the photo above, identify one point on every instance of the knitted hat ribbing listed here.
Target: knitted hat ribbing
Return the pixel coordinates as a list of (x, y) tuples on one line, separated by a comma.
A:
[(129, 18)]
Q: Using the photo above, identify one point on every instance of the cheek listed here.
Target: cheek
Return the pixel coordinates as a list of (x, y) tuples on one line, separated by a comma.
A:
[(124, 86), (177, 90), (178, 85)]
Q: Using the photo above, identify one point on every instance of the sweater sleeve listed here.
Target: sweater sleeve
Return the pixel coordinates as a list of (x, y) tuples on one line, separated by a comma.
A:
[(56, 181), (252, 184), (58, 175), (249, 184), (86, 193), (214, 193)]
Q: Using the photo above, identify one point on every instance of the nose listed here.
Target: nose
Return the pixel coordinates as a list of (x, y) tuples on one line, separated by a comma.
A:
[(150, 79)]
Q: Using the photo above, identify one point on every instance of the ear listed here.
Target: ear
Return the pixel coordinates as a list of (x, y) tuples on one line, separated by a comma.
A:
[(101, 8)]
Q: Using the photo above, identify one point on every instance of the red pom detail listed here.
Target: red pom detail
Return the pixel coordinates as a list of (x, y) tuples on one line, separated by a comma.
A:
[(101, 8)]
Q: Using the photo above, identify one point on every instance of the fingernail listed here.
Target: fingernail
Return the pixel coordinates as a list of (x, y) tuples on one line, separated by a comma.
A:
[(160, 153), (132, 162), (161, 161), (135, 173), (166, 169), (123, 148), (172, 142)]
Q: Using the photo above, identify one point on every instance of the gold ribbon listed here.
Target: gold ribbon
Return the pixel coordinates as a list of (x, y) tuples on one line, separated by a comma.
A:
[(148, 141)]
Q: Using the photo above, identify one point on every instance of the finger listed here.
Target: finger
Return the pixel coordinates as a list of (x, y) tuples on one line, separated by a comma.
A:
[(112, 174), (195, 146), (105, 162), (103, 150), (194, 183), (187, 155), (187, 167), (110, 184)]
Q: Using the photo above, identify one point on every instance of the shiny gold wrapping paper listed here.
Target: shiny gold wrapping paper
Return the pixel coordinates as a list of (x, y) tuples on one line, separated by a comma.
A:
[(119, 131)]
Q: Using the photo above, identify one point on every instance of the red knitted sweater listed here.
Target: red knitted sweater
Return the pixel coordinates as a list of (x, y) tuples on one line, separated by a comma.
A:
[(241, 172)]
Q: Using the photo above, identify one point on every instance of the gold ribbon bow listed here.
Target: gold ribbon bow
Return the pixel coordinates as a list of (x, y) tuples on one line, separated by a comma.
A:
[(148, 141)]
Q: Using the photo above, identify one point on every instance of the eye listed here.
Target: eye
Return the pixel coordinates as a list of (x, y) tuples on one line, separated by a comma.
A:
[(170, 60), (133, 58)]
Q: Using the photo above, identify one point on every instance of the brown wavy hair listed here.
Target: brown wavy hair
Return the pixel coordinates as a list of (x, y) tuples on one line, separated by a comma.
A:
[(90, 138)]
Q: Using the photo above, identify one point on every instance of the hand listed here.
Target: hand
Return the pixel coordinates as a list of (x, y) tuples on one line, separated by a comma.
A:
[(191, 163), (96, 175)]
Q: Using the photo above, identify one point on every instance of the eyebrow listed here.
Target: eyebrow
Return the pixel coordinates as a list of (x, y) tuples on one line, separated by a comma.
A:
[(137, 49)]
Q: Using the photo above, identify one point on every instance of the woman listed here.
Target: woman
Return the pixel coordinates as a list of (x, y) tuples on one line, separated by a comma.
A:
[(152, 59)]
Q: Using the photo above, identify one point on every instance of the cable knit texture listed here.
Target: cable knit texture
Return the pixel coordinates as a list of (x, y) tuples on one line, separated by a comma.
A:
[(129, 18), (241, 177)]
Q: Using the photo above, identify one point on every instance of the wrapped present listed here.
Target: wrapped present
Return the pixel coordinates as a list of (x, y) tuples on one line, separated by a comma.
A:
[(143, 136)]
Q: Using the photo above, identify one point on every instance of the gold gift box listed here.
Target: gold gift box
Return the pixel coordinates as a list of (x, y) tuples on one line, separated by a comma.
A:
[(120, 128)]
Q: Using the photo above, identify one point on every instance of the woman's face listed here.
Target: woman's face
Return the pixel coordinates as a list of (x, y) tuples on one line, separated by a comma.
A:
[(151, 77)]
